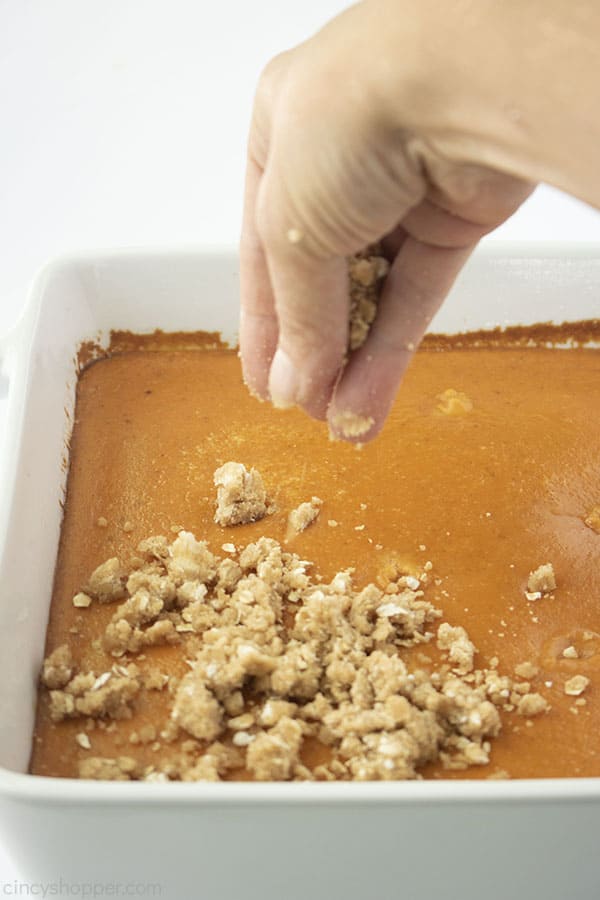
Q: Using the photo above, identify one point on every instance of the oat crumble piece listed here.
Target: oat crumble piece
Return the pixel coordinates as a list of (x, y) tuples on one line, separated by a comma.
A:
[(122, 768), (189, 559), (83, 740), (592, 520), (196, 709), (532, 704), (541, 581), (155, 548), (241, 495), (58, 668), (107, 582), (304, 515), (366, 271), (576, 685), (526, 670), (85, 694), (461, 650), (454, 403), (273, 755)]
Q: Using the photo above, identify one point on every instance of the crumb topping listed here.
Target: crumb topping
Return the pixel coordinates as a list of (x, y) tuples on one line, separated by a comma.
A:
[(532, 704), (74, 694), (123, 768), (304, 515), (276, 657), (241, 495), (592, 520), (107, 582), (454, 403), (526, 670), (576, 685), (58, 668), (366, 273), (541, 581), (460, 649)]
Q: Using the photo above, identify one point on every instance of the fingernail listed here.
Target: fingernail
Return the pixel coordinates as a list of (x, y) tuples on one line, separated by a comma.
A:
[(284, 381)]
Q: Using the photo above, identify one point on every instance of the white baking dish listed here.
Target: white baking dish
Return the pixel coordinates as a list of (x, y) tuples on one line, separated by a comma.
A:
[(454, 840)]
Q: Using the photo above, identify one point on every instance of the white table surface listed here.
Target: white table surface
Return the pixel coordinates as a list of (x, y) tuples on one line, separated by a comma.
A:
[(123, 122)]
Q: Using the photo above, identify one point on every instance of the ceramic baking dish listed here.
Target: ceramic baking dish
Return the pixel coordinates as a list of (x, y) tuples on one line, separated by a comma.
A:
[(452, 840)]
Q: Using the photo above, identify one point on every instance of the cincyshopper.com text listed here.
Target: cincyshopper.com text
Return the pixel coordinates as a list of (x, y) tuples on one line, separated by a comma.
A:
[(79, 889)]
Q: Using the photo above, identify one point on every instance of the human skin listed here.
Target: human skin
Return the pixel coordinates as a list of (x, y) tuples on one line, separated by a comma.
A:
[(419, 123)]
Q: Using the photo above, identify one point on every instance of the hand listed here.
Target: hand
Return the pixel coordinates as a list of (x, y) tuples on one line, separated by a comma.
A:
[(332, 167)]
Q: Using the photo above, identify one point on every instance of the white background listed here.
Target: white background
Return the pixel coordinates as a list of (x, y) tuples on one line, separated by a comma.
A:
[(123, 122)]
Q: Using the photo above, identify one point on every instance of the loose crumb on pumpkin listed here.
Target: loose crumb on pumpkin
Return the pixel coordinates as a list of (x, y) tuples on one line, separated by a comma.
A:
[(526, 670), (241, 495), (107, 582), (576, 685), (592, 520), (259, 684), (83, 740), (304, 515), (541, 581), (532, 704), (454, 403)]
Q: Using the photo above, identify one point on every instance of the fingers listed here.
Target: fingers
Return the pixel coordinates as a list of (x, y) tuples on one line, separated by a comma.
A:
[(312, 310), (313, 211), (258, 320), (416, 286), (292, 348)]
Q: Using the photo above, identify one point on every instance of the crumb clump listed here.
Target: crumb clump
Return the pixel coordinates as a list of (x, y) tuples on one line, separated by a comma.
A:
[(454, 403), (526, 670), (241, 495), (541, 581), (107, 582), (532, 704), (58, 668), (304, 515), (74, 694), (99, 768), (277, 656), (461, 650), (576, 685), (592, 520), (366, 274)]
